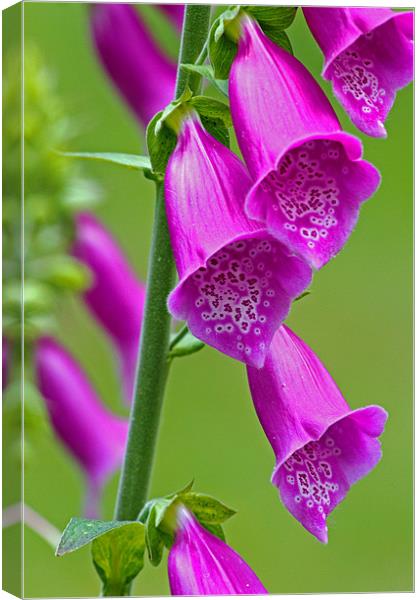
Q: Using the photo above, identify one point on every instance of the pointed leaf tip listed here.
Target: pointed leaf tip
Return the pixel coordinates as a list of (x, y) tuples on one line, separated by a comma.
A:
[(79, 532), (131, 161), (206, 508)]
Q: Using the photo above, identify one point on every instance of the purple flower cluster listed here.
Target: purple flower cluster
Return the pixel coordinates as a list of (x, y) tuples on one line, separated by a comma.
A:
[(245, 238), (244, 244)]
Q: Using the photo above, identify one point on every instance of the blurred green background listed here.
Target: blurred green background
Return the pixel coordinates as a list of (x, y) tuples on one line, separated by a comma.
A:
[(358, 319)]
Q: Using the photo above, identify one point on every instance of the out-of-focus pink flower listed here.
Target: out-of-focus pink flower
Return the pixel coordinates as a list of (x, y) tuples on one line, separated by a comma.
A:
[(93, 435), (116, 297), (137, 66)]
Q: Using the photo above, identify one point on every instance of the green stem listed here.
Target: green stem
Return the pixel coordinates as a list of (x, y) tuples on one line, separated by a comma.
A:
[(153, 364), (194, 36)]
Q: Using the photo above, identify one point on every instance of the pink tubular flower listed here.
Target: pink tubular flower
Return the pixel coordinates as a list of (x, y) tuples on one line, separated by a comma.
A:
[(175, 13), (368, 57), (116, 298), (236, 281), (309, 179), (200, 564), (93, 436), (321, 446), (139, 69)]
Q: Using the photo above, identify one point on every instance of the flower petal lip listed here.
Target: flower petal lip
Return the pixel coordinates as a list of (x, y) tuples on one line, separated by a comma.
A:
[(368, 58), (140, 70), (226, 263), (278, 110), (201, 564), (349, 25), (322, 447), (116, 297), (91, 433)]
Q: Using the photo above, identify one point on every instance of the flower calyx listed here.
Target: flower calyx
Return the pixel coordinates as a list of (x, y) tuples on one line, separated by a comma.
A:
[(160, 518)]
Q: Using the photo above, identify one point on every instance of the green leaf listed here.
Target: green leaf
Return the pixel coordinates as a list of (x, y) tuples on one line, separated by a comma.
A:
[(184, 490), (118, 556), (154, 538), (276, 17), (273, 21), (131, 161), (159, 516), (207, 72), (215, 529), (80, 532), (206, 508), (303, 295), (227, 22), (216, 128), (184, 344), (160, 144), (174, 110), (222, 49), (281, 39), (212, 108), (161, 506)]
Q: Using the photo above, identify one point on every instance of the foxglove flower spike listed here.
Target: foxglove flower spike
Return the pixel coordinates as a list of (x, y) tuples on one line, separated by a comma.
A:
[(93, 436), (309, 179), (200, 564), (116, 298), (142, 73), (236, 281), (322, 447), (368, 58)]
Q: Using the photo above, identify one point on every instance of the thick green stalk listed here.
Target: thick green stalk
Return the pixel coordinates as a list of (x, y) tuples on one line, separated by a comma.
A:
[(153, 364)]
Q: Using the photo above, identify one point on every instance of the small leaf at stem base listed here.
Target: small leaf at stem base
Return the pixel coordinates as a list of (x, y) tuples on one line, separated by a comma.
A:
[(118, 557)]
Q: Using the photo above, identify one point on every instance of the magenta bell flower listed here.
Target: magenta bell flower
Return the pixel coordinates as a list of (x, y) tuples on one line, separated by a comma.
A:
[(322, 447), (93, 435), (236, 281), (368, 57), (175, 13), (200, 564), (142, 73), (116, 298), (309, 179)]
